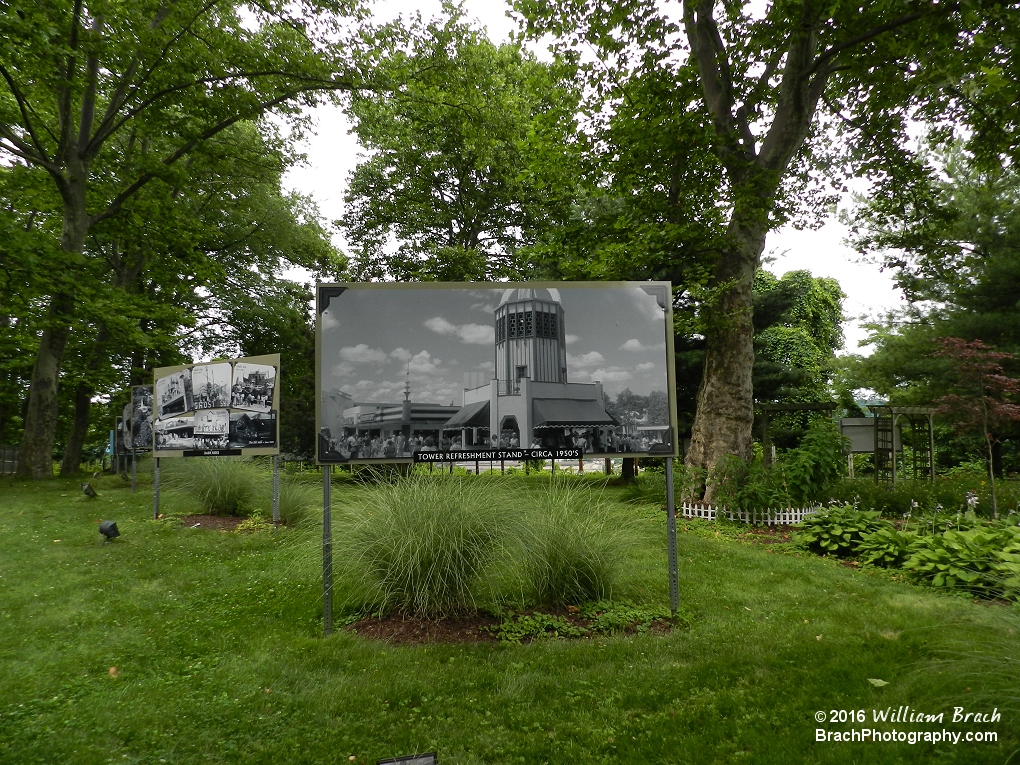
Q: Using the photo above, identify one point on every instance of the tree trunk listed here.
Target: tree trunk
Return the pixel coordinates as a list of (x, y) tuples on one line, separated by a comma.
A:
[(35, 455), (79, 430), (725, 404), (628, 473)]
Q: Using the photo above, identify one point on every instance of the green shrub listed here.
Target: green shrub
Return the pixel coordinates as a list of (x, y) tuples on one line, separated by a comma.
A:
[(799, 475), (219, 485), (609, 618), (984, 561), (536, 626), (837, 530), (887, 547), (944, 494), (572, 547), (421, 544)]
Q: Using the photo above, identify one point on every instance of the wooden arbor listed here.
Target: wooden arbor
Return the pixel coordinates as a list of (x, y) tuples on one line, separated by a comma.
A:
[(766, 409), (922, 440)]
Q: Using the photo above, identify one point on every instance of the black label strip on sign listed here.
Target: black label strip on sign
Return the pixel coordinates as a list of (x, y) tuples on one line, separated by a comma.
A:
[(212, 453), (499, 454)]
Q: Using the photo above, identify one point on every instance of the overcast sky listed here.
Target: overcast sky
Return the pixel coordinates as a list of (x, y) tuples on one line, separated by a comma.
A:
[(333, 153), (444, 341)]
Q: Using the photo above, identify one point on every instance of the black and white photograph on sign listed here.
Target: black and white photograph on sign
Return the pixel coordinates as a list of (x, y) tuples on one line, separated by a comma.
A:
[(499, 368), (212, 427), (210, 386), (118, 436), (251, 429), (252, 387), (175, 433), (173, 394), (141, 417)]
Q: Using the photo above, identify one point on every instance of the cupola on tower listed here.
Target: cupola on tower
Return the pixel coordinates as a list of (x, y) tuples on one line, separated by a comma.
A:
[(530, 338)]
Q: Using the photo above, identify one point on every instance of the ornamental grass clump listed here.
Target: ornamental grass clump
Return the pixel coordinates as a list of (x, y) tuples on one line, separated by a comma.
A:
[(574, 547), (421, 545), (219, 485), (299, 502)]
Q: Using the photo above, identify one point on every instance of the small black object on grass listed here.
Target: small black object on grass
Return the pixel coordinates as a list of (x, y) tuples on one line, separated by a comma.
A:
[(109, 530), (429, 758), (88, 491)]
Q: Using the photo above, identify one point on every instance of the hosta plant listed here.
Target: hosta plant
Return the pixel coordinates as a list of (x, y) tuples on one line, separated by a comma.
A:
[(887, 547), (838, 530), (984, 561)]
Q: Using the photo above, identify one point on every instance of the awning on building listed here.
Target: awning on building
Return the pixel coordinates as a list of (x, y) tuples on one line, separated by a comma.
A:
[(474, 415), (570, 413)]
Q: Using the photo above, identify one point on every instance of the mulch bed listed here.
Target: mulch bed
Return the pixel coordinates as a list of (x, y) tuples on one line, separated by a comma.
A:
[(406, 630), (214, 522), (767, 535), (409, 630)]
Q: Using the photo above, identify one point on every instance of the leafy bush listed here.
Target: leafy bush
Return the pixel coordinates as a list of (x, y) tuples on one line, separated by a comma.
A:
[(887, 547), (420, 545), (536, 626), (573, 547), (837, 530), (603, 618), (220, 485), (908, 496), (799, 476), (984, 561), (609, 618)]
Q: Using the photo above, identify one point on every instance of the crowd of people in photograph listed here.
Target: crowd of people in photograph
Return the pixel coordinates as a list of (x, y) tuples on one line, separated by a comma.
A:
[(246, 396), (355, 446)]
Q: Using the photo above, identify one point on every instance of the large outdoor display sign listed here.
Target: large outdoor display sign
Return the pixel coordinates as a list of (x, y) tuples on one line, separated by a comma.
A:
[(539, 370), (216, 409)]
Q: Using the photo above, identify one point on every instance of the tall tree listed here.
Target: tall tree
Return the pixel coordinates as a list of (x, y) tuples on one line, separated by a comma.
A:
[(107, 97), (468, 163), (766, 82)]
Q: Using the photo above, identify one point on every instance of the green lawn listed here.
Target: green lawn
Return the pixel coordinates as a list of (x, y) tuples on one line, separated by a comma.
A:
[(217, 642)]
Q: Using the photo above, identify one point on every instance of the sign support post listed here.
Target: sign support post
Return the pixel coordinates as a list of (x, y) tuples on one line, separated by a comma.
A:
[(155, 489), (134, 471), (276, 491), (327, 552), (674, 586)]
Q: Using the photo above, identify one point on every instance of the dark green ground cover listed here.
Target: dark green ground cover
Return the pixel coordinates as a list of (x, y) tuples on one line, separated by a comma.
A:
[(216, 640)]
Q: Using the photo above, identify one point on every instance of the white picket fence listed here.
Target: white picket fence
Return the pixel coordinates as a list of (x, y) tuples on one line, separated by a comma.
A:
[(781, 517)]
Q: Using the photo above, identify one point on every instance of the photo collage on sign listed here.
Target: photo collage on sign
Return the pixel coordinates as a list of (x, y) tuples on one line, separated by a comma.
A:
[(223, 405)]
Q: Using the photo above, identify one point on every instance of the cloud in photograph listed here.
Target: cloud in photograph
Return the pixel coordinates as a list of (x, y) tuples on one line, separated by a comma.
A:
[(636, 346), (362, 354), (473, 334), (423, 364), (401, 354), (646, 366), (611, 374), (343, 369), (647, 305), (488, 308), (586, 360), (571, 339)]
